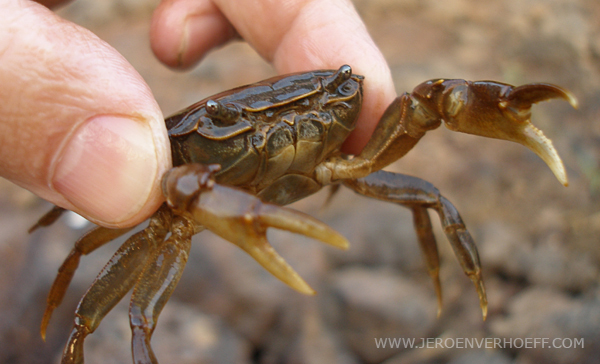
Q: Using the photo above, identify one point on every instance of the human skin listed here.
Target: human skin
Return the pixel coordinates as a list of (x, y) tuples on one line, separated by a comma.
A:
[(79, 126)]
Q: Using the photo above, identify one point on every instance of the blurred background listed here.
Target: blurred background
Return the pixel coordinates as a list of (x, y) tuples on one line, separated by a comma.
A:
[(538, 241)]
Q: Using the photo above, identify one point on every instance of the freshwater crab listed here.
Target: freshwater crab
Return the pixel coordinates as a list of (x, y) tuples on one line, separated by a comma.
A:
[(241, 155)]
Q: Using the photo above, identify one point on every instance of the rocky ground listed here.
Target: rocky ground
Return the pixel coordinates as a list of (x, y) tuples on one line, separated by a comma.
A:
[(538, 240)]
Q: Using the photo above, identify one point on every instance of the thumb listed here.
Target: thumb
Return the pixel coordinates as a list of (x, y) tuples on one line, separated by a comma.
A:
[(78, 125)]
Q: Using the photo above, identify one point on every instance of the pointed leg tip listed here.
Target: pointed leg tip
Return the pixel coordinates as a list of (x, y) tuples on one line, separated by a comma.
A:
[(480, 287), (43, 332), (438, 293), (484, 311), (483, 304), (45, 322)]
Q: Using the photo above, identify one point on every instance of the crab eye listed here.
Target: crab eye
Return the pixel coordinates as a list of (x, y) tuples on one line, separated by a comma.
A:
[(212, 107), (345, 72), (341, 76), (227, 113)]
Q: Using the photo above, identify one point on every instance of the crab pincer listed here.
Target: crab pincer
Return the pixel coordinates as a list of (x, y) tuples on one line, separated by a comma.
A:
[(496, 110), (242, 218)]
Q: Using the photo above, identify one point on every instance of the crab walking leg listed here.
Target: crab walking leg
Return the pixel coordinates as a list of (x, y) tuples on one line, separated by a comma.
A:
[(156, 284), (48, 219), (114, 281), (484, 108), (91, 241), (242, 218), (418, 194), (422, 224)]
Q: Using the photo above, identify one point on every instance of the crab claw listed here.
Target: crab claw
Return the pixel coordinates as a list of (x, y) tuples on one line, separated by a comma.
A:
[(243, 219), (497, 110)]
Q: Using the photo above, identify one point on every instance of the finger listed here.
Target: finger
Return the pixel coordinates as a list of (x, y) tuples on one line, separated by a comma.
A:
[(295, 35), (183, 31), (78, 125), (52, 3)]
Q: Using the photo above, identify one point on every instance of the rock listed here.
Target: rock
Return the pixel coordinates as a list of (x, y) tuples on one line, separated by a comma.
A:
[(482, 356), (554, 263), (568, 326), (504, 247), (379, 233), (550, 261), (302, 336), (381, 304)]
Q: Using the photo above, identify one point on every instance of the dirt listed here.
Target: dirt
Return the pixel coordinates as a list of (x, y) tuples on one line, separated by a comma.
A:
[(538, 240)]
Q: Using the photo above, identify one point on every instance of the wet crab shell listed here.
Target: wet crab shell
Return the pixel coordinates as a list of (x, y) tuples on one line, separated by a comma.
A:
[(269, 136)]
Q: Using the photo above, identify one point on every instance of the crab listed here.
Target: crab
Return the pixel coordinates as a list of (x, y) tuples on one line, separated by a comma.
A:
[(241, 155)]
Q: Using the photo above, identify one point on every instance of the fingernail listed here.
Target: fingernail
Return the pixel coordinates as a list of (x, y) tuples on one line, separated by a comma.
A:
[(108, 168)]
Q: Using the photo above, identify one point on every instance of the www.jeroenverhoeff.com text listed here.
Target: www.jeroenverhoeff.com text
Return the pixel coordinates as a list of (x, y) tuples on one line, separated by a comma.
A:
[(478, 343)]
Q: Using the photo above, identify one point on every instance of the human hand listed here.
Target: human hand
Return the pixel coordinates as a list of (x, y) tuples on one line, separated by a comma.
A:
[(79, 126)]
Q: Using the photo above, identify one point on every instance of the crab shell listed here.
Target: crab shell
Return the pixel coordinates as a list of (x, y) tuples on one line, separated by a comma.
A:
[(272, 134)]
